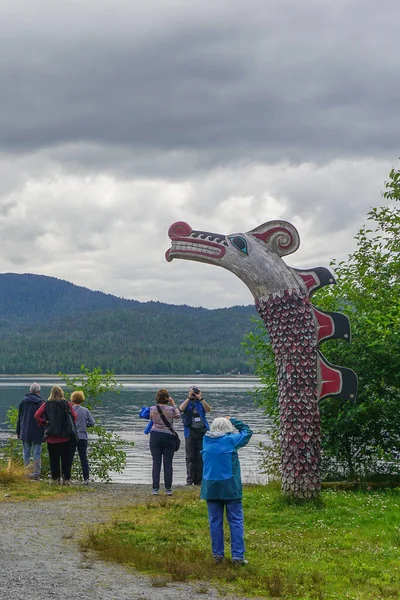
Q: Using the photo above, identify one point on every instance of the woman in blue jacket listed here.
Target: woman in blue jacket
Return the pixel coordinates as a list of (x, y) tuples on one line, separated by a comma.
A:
[(222, 485)]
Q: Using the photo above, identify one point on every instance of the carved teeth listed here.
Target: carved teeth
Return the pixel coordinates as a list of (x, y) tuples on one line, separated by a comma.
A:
[(184, 246)]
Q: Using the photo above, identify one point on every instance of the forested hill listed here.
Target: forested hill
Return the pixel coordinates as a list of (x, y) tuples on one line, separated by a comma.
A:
[(49, 325), (33, 298)]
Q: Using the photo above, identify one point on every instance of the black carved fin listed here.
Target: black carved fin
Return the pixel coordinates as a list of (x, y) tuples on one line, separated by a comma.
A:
[(331, 325), (339, 382), (316, 278)]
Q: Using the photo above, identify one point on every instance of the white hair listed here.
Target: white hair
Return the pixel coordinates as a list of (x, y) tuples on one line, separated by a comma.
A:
[(222, 425), (35, 388)]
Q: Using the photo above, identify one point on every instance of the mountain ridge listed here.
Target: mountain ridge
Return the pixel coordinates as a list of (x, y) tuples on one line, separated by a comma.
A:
[(57, 326)]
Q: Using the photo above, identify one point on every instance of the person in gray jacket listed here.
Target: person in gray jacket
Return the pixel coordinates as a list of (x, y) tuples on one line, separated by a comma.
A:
[(84, 419), (29, 431)]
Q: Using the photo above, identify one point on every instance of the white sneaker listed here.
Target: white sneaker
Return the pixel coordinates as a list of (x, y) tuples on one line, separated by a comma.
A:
[(240, 562)]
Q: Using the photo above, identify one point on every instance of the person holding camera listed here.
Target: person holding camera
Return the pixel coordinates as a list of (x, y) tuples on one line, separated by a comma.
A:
[(195, 425), (222, 485), (162, 437)]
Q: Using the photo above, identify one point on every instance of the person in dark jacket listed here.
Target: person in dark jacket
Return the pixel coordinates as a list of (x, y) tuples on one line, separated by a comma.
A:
[(222, 484), (195, 425), (58, 418), (29, 431)]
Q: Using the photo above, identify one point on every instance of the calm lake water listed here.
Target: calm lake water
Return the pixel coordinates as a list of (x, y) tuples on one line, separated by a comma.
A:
[(120, 413)]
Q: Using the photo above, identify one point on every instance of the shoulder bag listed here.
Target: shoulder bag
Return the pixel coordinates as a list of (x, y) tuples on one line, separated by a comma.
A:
[(71, 425)]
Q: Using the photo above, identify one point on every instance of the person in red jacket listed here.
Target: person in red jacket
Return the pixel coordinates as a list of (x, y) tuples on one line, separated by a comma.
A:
[(58, 418)]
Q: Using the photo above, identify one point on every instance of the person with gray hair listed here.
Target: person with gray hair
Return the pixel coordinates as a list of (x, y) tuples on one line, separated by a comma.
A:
[(221, 486), (29, 431)]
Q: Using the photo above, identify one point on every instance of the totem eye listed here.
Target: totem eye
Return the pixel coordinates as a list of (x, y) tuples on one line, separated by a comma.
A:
[(239, 242)]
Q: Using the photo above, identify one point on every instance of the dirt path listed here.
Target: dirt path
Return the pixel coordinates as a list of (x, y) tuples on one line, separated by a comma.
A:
[(40, 558)]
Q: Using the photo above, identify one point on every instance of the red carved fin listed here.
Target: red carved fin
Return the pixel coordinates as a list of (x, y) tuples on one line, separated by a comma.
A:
[(315, 278), (331, 325), (336, 381)]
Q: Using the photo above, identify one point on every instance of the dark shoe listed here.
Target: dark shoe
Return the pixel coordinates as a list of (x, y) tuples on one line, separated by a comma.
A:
[(218, 559), (239, 562)]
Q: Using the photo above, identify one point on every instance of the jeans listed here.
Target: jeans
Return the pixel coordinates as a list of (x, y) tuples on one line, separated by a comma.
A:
[(194, 461), (60, 451), (234, 514), (162, 447), (82, 451), (36, 449)]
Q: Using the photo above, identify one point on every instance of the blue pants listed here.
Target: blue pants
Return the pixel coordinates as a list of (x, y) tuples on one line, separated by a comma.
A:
[(162, 446), (36, 449), (234, 514), (82, 451)]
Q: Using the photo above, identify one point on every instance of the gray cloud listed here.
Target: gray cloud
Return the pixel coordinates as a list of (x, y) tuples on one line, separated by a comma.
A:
[(310, 81), (119, 118)]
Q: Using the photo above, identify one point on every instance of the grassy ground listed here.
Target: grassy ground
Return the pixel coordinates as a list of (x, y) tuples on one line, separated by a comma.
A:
[(345, 547), (34, 490), (15, 485)]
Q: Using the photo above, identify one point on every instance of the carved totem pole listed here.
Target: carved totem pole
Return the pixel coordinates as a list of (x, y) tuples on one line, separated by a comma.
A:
[(295, 328)]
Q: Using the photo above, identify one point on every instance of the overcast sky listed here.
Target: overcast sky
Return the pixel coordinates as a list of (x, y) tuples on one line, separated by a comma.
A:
[(119, 117)]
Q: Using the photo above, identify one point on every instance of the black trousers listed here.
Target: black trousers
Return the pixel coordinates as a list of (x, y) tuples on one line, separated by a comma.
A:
[(60, 451), (194, 461), (162, 447), (82, 451)]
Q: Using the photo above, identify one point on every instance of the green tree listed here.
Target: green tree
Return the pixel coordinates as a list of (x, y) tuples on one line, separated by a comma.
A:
[(363, 438), (106, 453)]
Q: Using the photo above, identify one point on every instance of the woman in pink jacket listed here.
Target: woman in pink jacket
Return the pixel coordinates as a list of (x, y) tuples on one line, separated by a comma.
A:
[(58, 418)]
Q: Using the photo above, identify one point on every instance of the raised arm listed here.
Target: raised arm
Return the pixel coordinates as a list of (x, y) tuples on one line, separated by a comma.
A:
[(243, 437), (176, 413), (205, 404), (184, 404), (145, 412)]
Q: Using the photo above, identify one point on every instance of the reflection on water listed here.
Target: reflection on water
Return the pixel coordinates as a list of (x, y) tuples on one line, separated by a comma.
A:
[(119, 412)]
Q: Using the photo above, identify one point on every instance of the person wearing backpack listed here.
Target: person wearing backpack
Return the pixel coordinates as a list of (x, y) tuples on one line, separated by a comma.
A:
[(58, 418), (195, 425)]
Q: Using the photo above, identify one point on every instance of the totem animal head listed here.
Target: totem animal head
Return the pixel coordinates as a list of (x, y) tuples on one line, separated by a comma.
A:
[(255, 256)]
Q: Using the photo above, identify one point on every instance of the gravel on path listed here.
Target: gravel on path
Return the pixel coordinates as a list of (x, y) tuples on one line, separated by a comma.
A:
[(40, 558)]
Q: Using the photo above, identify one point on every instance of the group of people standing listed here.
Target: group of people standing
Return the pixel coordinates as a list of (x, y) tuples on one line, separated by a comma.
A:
[(62, 424), (211, 451), (211, 461)]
